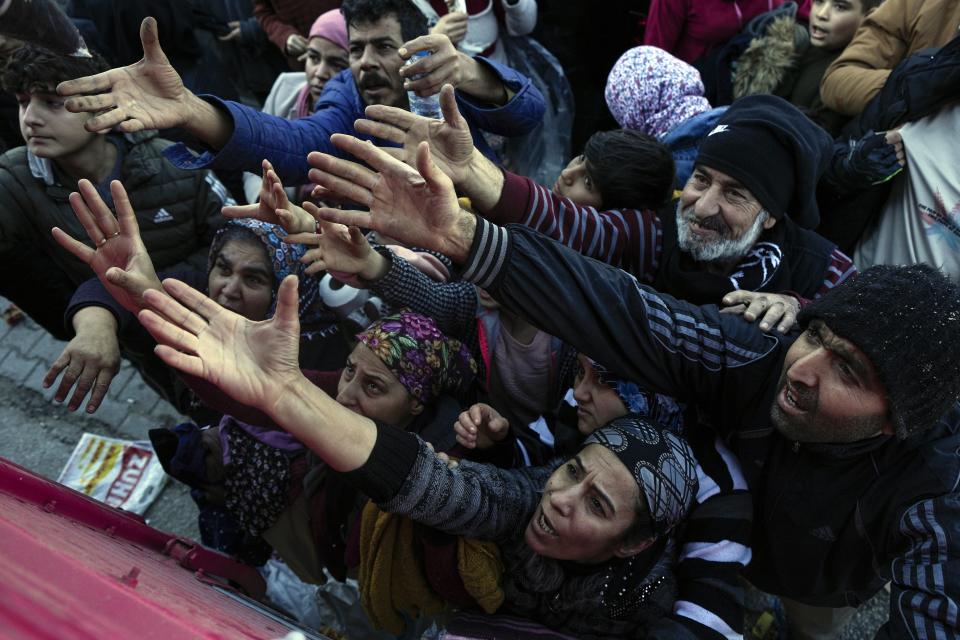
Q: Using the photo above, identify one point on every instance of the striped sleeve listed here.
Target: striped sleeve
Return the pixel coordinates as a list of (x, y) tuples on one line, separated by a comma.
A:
[(665, 345), (841, 267), (452, 304), (714, 548), (924, 593), (627, 238)]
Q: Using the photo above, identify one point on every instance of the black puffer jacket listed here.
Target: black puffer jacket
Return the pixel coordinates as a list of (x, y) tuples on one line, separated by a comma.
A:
[(178, 211)]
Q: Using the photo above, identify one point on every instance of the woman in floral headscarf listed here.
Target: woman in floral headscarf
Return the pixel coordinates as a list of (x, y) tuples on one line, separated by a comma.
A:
[(654, 92), (403, 373)]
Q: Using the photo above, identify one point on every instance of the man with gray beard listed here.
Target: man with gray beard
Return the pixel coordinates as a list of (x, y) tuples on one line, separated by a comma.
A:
[(739, 233)]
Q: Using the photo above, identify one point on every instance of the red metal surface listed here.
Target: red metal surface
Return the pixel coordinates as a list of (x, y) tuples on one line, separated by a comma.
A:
[(73, 568)]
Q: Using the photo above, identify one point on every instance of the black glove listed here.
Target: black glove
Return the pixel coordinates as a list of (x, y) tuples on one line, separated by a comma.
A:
[(867, 161)]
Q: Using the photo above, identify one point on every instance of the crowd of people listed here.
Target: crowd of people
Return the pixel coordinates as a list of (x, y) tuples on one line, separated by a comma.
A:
[(613, 366)]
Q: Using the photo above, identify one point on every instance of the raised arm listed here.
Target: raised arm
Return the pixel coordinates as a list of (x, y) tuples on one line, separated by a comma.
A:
[(256, 364), (669, 346), (626, 238), (120, 259)]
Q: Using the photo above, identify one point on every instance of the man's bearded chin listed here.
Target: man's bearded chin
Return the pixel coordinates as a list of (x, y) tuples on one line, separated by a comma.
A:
[(723, 249)]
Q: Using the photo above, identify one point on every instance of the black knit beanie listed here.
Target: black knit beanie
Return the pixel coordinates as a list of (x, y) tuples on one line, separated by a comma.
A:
[(907, 322), (775, 151)]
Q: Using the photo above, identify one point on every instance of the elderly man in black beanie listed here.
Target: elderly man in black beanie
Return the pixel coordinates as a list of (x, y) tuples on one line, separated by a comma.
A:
[(742, 224), (848, 432)]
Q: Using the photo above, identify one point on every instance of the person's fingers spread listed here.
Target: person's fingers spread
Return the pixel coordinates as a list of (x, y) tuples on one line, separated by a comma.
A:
[(81, 251), (734, 309), (347, 217), (66, 382), (381, 130), (91, 103), (757, 306), (363, 150), (168, 333), (240, 210), (356, 236), (301, 238), (193, 308), (86, 218), (150, 40), (772, 316), (448, 106), (126, 217), (429, 170), (55, 369), (287, 302), (315, 268), (191, 365), (127, 126), (84, 382), (399, 118), (346, 189), (110, 119), (171, 308), (280, 196)]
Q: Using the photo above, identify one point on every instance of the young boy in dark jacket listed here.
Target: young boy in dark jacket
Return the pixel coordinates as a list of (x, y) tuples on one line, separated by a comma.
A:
[(178, 211)]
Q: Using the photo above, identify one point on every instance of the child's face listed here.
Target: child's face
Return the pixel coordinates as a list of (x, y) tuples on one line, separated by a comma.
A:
[(575, 183), (49, 130), (833, 23)]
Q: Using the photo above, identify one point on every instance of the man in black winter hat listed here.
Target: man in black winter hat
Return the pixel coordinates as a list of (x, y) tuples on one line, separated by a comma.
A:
[(848, 432)]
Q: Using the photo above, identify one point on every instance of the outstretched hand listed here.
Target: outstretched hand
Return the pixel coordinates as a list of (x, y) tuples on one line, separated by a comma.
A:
[(120, 258), (451, 144), (418, 206), (90, 360), (252, 362), (273, 206), (148, 94), (342, 250)]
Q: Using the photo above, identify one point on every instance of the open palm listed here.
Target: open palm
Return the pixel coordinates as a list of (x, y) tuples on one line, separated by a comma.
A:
[(120, 259), (415, 206), (451, 144), (148, 94), (253, 362)]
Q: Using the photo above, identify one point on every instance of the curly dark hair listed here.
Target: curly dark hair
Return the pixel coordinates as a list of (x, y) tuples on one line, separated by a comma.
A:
[(33, 68), (413, 23), (630, 169)]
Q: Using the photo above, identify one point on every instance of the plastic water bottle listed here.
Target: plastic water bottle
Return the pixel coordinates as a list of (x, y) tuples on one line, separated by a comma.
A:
[(428, 107)]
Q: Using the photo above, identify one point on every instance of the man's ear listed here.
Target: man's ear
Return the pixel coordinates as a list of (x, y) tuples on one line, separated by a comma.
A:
[(769, 223), (627, 549)]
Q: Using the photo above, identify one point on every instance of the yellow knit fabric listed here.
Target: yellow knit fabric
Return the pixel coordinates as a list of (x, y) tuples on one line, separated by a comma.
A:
[(392, 579), (478, 562)]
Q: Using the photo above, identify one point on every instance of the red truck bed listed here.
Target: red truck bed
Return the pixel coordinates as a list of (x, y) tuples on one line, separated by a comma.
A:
[(74, 568)]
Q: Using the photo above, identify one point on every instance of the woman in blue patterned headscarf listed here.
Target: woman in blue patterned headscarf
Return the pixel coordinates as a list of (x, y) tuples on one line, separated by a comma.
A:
[(273, 263)]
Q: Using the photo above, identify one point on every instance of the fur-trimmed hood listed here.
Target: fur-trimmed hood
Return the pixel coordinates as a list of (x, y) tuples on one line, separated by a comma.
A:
[(768, 59)]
